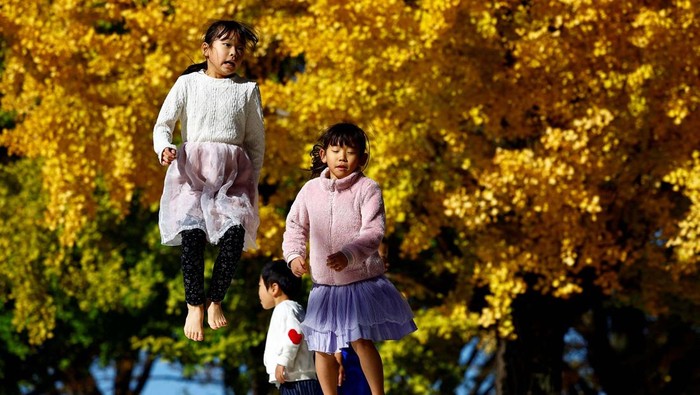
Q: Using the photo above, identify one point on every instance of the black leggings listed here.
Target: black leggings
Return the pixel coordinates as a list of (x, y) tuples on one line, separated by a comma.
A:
[(230, 249)]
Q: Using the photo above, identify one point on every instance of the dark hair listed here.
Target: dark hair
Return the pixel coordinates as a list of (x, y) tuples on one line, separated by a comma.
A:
[(222, 30), (342, 134), (277, 272)]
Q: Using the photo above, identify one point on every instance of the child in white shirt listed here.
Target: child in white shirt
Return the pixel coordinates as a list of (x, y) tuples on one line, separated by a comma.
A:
[(287, 358)]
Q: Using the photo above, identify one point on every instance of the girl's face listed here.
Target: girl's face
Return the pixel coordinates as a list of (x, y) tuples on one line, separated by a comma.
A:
[(224, 56), (342, 160)]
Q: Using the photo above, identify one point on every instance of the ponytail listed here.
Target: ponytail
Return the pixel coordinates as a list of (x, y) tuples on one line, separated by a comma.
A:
[(195, 67), (317, 164)]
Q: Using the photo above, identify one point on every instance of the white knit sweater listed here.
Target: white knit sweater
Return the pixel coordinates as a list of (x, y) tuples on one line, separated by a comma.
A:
[(223, 110), (285, 345)]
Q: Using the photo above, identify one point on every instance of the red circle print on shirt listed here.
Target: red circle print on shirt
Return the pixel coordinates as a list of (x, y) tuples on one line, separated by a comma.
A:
[(295, 336)]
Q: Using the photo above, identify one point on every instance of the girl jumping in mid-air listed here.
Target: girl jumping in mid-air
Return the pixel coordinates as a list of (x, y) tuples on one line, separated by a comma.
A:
[(210, 192), (341, 214)]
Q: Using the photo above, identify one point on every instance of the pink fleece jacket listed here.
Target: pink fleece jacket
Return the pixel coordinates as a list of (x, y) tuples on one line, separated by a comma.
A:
[(344, 215)]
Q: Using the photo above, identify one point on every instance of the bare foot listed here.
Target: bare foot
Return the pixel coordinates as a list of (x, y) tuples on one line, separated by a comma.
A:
[(215, 315), (194, 323)]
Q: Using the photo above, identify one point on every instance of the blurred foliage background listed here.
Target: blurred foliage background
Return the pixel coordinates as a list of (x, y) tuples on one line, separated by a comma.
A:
[(540, 163)]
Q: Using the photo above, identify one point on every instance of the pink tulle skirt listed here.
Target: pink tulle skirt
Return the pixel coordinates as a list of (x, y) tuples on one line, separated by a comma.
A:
[(209, 186)]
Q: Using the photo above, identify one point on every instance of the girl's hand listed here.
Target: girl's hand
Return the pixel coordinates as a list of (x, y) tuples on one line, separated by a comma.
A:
[(337, 261), (298, 266), (168, 156), (279, 374)]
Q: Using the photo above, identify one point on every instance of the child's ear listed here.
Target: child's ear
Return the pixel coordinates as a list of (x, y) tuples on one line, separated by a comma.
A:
[(205, 49), (322, 154), (275, 289)]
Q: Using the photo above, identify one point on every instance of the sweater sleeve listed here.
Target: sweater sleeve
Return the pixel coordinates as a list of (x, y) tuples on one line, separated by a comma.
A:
[(373, 227), (255, 131), (169, 114), (296, 231), (292, 340)]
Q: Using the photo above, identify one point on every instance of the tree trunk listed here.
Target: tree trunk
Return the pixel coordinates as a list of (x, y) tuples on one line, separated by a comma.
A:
[(145, 374), (532, 364), (122, 377), (126, 368), (616, 350), (79, 381)]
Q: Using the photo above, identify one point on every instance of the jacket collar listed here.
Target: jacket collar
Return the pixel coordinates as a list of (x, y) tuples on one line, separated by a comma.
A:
[(343, 183)]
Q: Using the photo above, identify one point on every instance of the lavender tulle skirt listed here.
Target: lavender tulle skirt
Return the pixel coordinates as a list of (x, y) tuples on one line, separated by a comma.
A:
[(372, 309), (209, 186)]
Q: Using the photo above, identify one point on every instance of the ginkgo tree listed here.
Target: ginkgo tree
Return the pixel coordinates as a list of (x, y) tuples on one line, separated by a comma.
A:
[(541, 141), (538, 159)]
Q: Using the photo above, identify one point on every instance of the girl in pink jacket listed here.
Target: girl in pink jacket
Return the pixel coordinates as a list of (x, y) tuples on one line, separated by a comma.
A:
[(341, 214)]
